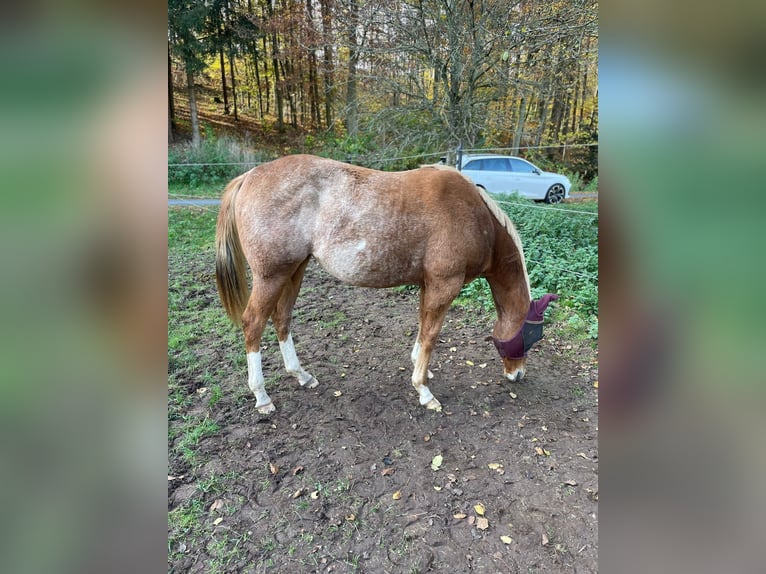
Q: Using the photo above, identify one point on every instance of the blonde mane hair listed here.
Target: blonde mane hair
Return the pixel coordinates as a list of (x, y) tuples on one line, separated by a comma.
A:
[(498, 214)]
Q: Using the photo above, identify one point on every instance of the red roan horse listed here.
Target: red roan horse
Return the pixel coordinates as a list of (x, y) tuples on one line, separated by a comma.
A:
[(429, 227)]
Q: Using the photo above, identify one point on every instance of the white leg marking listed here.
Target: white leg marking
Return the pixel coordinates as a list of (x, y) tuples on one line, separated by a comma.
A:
[(293, 365), (414, 357), (257, 383), (515, 375)]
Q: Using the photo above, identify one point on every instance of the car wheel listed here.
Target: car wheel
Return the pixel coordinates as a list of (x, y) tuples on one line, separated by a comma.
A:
[(555, 194)]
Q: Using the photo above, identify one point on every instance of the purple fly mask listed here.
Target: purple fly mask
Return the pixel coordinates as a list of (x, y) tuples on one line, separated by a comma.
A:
[(531, 331)]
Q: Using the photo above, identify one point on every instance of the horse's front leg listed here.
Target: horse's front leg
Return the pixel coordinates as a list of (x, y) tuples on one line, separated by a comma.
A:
[(434, 303)]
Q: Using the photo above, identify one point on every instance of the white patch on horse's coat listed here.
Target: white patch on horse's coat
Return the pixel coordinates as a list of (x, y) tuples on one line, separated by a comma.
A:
[(293, 365), (257, 383)]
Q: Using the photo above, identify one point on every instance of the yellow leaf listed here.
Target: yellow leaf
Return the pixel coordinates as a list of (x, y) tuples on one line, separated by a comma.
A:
[(547, 452), (595, 384), (494, 465), (338, 393), (437, 488), (482, 523), (437, 462), (397, 495), (273, 468), (314, 495), (458, 515), (350, 517), (479, 508), (217, 521), (539, 451), (506, 539), (469, 363)]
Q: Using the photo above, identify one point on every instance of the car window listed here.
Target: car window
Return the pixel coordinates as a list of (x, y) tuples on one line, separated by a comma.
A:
[(521, 166), (475, 164), (496, 164)]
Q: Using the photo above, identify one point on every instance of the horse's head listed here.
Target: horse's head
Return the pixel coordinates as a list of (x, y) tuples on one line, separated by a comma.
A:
[(514, 350)]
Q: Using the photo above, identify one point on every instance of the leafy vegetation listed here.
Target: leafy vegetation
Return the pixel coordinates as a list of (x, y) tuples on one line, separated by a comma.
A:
[(561, 248)]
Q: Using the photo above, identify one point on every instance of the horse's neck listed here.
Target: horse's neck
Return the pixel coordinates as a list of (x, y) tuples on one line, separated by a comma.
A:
[(508, 282)]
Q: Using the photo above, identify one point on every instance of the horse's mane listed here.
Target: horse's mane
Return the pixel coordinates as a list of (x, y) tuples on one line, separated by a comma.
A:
[(498, 214)]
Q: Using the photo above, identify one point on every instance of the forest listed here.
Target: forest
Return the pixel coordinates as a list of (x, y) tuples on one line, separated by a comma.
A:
[(392, 79)]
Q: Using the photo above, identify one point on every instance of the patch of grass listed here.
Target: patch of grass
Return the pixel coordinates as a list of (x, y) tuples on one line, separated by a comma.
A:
[(185, 525), (192, 431), (191, 228)]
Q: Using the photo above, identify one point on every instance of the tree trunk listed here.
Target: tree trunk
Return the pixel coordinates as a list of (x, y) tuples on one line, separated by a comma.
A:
[(520, 124), (233, 83), (193, 114), (328, 79), (171, 98), (223, 83), (352, 102)]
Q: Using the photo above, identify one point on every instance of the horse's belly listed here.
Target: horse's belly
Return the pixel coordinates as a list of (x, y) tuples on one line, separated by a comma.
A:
[(358, 263)]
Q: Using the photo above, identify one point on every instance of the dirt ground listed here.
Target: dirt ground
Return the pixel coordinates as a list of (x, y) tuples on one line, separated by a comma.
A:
[(343, 477)]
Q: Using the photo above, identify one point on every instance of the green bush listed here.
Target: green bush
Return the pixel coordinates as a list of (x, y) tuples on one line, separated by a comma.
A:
[(214, 161)]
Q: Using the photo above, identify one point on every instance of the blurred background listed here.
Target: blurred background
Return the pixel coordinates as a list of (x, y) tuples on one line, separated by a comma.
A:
[(83, 174), (681, 105)]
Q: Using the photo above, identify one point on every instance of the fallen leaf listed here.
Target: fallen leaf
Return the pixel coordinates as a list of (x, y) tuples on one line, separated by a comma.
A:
[(458, 515), (570, 483), (482, 523), (545, 540), (338, 393), (471, 520), (506, 539), (595, 384), (514, 396), (437, 488), (201, 390), (350, 517), (387, 471), (217, 521), (546, 452), (297, 493), (427, 437), (296, 470), (479, 508), (436, 463), (314, 495), (494, 465), (217, 505), (583, 455), (469, 363), (539, 451), (483, 366), (397, 495), (273, 468)]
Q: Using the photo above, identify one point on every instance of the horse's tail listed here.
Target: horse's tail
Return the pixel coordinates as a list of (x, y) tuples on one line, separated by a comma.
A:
[(230, 270)]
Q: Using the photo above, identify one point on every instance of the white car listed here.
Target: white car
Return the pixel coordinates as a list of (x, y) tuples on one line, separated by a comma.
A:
[(508, 174)]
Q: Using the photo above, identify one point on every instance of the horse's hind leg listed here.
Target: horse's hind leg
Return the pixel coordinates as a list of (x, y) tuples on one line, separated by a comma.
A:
[(263, 300), (282, 318)]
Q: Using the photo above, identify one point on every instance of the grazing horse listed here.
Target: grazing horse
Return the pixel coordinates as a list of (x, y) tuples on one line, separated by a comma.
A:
[(430, 227)]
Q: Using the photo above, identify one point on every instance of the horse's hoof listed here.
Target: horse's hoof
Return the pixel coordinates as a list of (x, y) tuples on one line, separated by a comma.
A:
[(311, 383), (267, 409), (434, 405)]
